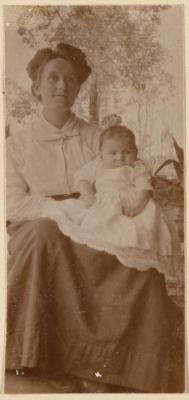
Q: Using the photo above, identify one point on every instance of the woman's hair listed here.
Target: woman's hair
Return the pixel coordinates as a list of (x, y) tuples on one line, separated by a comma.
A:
[(64, 51), (118, 132)]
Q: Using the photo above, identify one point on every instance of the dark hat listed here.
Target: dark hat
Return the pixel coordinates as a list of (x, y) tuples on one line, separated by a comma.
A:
[(62, 50)]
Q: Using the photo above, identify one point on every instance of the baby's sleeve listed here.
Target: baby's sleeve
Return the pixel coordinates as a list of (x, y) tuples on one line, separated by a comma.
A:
[(87, 173), (142, 179)]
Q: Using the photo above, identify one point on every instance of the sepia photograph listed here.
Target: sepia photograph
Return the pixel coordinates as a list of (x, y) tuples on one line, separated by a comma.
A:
[(94, 111)]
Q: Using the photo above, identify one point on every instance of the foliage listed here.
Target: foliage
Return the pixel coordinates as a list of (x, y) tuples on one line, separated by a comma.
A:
[(111, 119), (19, 102)]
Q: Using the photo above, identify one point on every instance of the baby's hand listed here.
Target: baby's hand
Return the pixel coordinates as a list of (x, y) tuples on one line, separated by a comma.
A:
[(128, 206), (125, 210), (88, 200)]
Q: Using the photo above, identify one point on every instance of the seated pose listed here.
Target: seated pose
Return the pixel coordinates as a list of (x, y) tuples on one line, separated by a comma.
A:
[(74, 313), (115, 211)]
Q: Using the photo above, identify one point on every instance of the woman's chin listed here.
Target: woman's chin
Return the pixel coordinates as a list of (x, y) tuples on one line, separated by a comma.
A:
[(59, 107)]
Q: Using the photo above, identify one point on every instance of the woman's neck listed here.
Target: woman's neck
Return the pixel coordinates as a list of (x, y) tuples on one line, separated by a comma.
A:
[(56, 118)]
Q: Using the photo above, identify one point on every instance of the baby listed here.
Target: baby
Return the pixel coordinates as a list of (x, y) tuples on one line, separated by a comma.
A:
[(116, 212), (118, 149)]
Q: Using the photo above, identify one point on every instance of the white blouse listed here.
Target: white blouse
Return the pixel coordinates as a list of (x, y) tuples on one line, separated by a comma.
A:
[(42, 161)]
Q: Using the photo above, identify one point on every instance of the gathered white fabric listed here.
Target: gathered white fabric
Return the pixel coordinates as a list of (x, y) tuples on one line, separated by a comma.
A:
[(141, 242), (42, 161)]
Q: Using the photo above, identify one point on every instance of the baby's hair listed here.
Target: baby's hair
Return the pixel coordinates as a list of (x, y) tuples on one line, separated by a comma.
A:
[(118, 132)]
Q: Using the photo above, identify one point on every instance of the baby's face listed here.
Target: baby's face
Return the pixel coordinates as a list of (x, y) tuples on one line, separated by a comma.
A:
[(118, 152)]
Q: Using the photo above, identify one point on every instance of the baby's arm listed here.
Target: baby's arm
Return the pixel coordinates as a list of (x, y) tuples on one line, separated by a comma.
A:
[(136, 202)]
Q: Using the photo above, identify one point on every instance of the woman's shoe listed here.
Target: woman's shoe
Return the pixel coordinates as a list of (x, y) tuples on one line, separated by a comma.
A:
[(101, 387), (31, 381), (94, 387)]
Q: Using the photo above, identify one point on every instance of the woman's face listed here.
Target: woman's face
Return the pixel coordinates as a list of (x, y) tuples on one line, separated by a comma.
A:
[(58, 85)]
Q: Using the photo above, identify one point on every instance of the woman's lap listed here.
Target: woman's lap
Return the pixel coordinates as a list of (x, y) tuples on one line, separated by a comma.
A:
[(84, 312)]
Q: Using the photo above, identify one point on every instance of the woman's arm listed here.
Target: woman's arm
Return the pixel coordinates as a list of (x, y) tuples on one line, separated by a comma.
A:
[(20, 204), (85, 188), (90, 135), (85, 182)]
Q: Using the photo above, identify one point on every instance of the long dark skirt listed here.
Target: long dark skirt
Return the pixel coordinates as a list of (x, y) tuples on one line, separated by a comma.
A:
[(79, 310)]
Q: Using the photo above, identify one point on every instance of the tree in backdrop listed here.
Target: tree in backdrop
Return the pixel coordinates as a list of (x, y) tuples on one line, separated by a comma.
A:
[(19, 103), (122, 46)]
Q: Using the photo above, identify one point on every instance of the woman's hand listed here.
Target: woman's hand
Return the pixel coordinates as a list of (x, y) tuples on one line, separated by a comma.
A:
[(136, 202), (88, 200), (87, 193)]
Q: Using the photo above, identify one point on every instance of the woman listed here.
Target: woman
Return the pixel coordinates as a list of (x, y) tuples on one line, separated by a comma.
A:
[(72, 309)]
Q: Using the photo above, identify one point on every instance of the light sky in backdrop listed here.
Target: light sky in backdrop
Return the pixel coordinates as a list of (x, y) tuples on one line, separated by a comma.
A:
[(18, 54)]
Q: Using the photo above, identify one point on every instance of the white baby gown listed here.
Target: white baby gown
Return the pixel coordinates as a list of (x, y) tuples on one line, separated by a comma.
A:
[(141, 242)]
